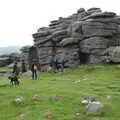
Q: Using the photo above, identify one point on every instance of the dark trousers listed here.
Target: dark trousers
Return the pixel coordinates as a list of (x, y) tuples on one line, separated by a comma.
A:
[(34, 74)]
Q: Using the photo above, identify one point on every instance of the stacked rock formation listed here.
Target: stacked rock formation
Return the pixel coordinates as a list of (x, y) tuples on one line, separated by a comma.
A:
[(28, 57), (8, 59), (84, 37)]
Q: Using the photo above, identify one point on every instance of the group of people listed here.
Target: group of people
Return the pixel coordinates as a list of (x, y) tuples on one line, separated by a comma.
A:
[(54, 67), (57, 66)]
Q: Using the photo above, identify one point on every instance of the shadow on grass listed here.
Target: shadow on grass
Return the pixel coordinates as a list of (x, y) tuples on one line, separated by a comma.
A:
[(5, 85)]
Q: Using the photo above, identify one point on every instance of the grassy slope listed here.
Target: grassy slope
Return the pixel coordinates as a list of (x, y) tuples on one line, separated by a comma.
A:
[(98, 82)]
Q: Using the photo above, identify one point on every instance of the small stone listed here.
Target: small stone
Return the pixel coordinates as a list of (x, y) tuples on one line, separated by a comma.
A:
[(37, 98), (19, 100)]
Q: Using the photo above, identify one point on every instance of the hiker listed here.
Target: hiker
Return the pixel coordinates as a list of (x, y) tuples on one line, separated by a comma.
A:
[(15, 75), (63, 63), (55, 67), (15, 69), (49, 69), (58, 66), (34, 71)]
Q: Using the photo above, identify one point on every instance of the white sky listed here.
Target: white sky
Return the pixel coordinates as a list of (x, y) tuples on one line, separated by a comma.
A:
[(19, 19)]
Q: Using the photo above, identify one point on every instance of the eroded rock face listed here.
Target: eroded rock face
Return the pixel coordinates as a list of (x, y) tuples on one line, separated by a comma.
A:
[(8, 59), (114, 54), (4, 61), (28, 56), (82, 37)]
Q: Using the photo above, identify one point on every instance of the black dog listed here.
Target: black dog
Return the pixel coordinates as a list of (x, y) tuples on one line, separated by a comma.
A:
[(14, 80)]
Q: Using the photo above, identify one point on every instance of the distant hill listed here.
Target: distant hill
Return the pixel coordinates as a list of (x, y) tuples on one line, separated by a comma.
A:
[(9, 49)]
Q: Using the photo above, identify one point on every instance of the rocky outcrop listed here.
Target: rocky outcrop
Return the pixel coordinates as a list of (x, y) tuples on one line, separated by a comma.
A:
[(4, 61), (8, 59), (28, 56), (83, 37)]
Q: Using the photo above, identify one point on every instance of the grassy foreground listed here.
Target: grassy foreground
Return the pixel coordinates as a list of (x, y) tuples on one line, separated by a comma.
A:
[(99, 81)]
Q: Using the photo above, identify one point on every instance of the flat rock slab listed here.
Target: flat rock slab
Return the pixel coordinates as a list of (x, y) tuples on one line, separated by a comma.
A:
[(94, 108)]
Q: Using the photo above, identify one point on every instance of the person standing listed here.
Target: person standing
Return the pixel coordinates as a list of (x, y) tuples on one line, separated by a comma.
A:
[(15, 69), (15, 73), (34, 71)]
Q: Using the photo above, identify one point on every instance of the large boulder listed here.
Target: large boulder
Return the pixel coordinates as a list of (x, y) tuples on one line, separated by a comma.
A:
[(91, 29), (93, 43), (114, 54)]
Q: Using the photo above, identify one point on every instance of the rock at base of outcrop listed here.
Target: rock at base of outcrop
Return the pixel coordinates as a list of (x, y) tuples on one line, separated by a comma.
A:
[(69, 54), (94, 108), (114, 54), (97, 59)]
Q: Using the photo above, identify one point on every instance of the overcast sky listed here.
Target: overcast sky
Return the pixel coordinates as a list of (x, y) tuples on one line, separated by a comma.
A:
[(19, 19)]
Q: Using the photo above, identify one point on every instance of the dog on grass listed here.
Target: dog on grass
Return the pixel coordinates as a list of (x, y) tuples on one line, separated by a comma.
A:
[(14, 80)]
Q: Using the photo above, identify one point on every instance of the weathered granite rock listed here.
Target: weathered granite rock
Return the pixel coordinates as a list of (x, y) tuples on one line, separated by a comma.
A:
[(81, 13), (4, 61), (91, 29), (94, 108), (92, 43), (82, 37), (114, 54), (28, 56), (97, 59), (94, 10), (8, 59), (23, 67), (69, 41), (68, 53)]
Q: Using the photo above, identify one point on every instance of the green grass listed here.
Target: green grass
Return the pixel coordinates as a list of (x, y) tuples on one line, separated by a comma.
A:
[(99, 81)]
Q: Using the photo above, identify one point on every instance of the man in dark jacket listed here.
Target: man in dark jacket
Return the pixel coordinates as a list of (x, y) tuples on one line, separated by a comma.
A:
[(15, 74)]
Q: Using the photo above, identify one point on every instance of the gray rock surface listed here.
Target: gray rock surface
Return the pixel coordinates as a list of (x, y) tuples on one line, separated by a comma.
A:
[(94, 108), (114, 54), (18, 100), (83, 37), (7, 59), (88, 99)]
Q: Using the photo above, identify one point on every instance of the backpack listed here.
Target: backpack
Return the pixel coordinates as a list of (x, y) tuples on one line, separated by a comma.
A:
[(35, 67)]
